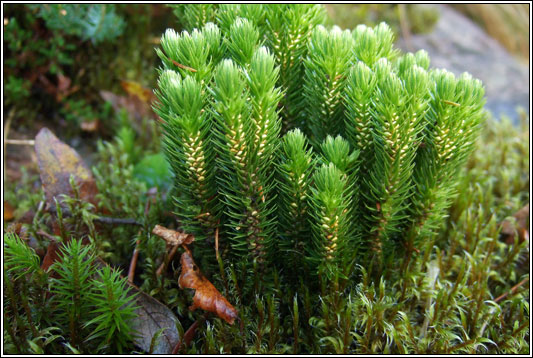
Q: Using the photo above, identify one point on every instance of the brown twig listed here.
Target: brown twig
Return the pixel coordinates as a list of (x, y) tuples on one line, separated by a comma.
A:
[(512, 291), (135, 256), (20, 141), (117, 221), (173, 238), (515, 332), (182, 66), (134, 259), (48, 236)]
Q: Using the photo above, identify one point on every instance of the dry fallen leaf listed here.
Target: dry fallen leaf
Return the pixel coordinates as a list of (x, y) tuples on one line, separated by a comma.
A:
[(136, 108), (173, 237), (61, 90), (521, 226), (138, 102), (8, 211), (152, 316), (206, 297), (57, 162), (52, 255), (135, 89)]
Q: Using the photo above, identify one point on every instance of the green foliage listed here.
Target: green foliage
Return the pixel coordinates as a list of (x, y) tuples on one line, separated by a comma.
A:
[(95, 22), (79, 111), (284, 29), (192, 162), (248, 136), (153, 170), (296, 164), (287, 30), (78, 298), (16, 89), (373, 44), (454, 116), (192, 16)]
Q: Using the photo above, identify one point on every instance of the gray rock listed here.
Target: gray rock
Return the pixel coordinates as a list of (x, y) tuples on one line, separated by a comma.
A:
[(460, 45)]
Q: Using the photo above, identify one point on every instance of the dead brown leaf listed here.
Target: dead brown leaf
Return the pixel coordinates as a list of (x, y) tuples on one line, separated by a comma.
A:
[(52, 255), (138, 102), (172, 237), (57, 162), (9, 211), (135, 89), (60, 91), (136, 108), (153, 316), (520, 226), (206, 297)]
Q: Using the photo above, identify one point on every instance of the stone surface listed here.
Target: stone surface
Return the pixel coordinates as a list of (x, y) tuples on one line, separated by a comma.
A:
[(460, 45)]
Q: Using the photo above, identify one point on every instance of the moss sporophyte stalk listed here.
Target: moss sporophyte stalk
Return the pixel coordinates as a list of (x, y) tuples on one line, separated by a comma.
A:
[(367, 175)]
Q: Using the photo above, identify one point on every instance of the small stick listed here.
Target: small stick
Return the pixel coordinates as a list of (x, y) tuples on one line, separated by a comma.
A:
[(182, 66), (117, 221), (512, 291), (135, 256), (48, 236), (172, 238), (134, 259)]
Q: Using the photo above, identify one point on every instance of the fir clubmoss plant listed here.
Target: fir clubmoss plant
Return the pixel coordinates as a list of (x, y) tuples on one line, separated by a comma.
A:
[(245, 114), (395, 114), (296, 165), (331, 201), (454, 118), (326, 68)]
